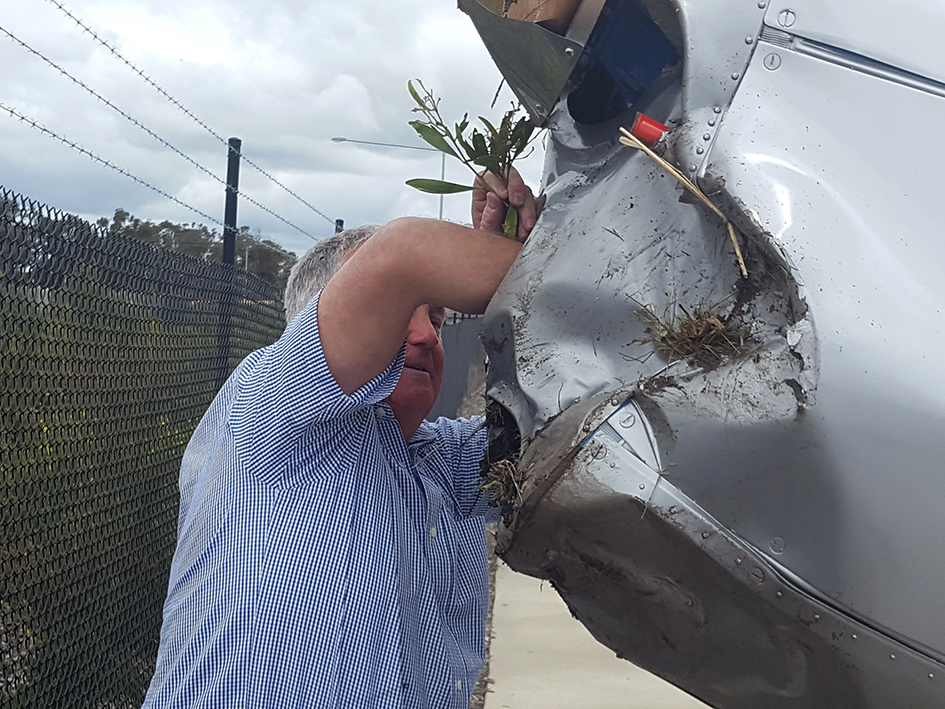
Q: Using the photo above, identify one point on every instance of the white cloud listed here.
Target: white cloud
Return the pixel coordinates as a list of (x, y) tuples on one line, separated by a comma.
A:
[(192, 33)]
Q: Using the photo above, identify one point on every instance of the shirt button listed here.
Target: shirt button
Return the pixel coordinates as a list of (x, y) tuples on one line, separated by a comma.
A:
[(380, 412), (432, 531), (459, 685)]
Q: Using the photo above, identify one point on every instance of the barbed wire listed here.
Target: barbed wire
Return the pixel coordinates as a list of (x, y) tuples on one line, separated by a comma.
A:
[(95, 158), (162, 141), (135, 69), (178, 105), (108, 103)]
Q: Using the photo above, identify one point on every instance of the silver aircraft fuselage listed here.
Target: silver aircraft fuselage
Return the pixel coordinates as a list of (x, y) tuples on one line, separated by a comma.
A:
[(763, 528)]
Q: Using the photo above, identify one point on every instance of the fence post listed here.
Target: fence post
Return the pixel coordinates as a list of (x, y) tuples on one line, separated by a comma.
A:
[(229, 256), (232, 191), (339, 225)]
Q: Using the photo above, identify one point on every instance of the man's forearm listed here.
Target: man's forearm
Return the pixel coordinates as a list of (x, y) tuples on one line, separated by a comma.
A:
[(365, 309)]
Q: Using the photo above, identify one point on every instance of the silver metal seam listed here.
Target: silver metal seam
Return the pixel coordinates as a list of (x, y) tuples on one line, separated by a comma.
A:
[(850, 60)]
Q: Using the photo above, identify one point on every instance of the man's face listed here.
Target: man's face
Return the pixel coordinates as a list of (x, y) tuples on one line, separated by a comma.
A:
[(419, 384)]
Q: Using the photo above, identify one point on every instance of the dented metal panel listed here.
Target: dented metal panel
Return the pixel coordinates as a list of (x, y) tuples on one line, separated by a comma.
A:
[(660, 581), (762, 526)]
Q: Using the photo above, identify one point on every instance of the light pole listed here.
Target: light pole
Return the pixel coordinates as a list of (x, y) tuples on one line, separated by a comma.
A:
[(342, 139)]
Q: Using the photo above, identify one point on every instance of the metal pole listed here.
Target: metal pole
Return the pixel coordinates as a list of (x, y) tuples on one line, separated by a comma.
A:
[(232, 190), (339, 225), (229, 257)]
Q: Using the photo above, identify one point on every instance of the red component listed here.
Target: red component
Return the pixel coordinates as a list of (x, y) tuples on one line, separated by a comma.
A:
[(647, 130)]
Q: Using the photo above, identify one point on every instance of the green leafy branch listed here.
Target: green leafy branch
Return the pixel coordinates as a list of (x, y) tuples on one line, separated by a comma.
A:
[(493, 150)]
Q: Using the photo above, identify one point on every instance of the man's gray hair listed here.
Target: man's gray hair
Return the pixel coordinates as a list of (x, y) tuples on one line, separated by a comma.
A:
[(313, 271)]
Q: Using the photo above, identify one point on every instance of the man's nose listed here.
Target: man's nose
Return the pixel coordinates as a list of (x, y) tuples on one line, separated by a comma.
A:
[(420, 331)]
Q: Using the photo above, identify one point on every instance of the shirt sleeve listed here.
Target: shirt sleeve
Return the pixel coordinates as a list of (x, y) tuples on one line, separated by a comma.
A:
[(281, 390), (460, 445)]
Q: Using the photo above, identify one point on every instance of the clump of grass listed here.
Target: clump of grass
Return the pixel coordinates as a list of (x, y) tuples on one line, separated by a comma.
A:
[(499, 467), (506, 483), (701, 337)]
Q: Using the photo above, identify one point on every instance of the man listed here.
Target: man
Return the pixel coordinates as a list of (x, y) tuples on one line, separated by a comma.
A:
[(330, 541)]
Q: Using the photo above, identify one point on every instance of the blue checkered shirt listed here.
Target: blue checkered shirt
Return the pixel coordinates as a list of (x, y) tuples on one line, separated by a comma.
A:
[(321, 561)]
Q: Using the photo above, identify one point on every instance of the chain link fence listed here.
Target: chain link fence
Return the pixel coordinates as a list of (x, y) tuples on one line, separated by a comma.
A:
[(110, 352)]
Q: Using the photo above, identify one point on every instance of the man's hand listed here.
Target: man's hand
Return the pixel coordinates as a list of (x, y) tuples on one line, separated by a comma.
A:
[(489, 204)]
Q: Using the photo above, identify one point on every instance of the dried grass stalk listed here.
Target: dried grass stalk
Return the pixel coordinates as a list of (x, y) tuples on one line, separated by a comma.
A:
[(630, 140)]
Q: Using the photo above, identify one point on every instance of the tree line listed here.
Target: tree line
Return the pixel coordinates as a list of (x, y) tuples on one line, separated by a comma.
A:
[(259, 256)]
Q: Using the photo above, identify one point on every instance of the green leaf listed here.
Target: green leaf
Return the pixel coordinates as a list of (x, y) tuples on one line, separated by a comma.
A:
[(522, 133), (505, 127), (431, 136), (510, 225), (492, 163), (462, 126), (479, 145), (492, 130), (416, 96), (467, 148), (438, 186)]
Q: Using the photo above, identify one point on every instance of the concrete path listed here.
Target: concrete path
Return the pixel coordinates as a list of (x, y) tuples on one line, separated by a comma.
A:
[(542, 658)]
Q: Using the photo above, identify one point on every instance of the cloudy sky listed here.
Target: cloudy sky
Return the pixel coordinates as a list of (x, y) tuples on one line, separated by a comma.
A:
[(285, 76)]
